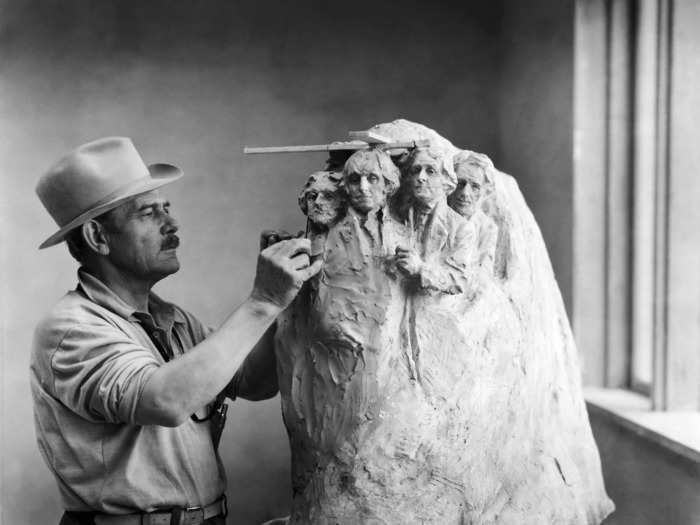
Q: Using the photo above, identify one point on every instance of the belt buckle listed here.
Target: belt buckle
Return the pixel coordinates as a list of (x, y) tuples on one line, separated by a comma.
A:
[(187, 516)]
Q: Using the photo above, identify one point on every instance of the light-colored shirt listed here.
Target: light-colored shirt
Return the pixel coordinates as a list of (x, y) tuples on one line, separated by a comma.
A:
[(91, 359)]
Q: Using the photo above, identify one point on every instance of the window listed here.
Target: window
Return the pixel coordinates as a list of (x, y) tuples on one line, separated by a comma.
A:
[(636, 309)]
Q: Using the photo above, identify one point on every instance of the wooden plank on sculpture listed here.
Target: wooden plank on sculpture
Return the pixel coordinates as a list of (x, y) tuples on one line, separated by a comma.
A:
[(428, 374)]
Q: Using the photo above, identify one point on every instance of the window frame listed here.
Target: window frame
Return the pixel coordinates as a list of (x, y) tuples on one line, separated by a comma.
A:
[(606, 318)]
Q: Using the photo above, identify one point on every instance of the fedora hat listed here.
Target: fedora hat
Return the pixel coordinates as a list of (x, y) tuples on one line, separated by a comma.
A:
[(95, 178)]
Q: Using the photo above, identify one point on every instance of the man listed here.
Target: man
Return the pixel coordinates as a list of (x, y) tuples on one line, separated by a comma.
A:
[(323, 204), (474, 185), (369, 178), (356, 244), (438, 255), (127, 387), (320, 199)]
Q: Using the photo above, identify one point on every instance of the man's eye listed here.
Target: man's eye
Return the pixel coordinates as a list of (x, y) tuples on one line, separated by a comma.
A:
[(430, 171), (373, 179)]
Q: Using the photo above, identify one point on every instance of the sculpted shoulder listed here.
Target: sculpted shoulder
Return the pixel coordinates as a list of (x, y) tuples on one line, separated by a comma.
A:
[(454, 222)]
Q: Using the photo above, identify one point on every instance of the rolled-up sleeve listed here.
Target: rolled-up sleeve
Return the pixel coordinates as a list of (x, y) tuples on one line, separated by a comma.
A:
[(99, 373)]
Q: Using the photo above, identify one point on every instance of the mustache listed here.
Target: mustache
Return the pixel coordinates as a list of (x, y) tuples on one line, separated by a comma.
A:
[(172, 241)]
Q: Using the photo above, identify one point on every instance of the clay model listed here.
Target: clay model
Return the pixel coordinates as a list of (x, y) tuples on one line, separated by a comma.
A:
[(438, 240), (320, 199), (474, 186), (323, 204), (418, 386)]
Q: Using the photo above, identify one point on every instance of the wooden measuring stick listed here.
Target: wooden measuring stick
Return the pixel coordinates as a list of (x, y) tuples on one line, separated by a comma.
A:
[(347, 146)]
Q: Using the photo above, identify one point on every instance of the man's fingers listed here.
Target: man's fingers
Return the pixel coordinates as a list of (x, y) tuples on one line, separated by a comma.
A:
[(293, 247), (265, 238), (271, 237), (307, 273), (300, 261)]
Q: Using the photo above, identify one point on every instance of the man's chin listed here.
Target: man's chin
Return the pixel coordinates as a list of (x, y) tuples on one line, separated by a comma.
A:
[(169, 265)]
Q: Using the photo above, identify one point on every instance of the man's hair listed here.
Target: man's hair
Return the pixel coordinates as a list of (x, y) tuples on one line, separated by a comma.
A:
[(363, 161), (441, 157), (77, 246), (477, 160)]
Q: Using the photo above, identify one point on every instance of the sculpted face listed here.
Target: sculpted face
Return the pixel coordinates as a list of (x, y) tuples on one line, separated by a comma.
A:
[(426, 180), (470, 189), (323, 202), (141, 238), (366, 189)]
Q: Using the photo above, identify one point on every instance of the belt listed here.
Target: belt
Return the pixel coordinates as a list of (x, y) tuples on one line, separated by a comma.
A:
[(175, 516)]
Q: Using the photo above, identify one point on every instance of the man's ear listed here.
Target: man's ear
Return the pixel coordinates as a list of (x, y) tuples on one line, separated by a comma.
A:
[(95, 237)]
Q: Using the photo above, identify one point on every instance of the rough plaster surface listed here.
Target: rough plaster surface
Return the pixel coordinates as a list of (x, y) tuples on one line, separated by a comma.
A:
[(449, 404)]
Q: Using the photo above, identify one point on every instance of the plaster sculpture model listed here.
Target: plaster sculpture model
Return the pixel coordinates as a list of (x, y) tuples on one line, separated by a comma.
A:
[(323, 203), (428, 374)]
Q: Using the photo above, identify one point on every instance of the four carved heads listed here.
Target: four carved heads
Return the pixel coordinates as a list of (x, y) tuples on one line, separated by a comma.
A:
[(370, 178)]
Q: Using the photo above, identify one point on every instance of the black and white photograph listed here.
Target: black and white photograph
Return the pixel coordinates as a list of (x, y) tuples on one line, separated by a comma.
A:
[(350, 262)]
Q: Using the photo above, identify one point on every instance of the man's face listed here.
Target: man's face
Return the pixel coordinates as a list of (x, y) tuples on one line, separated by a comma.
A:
[(323, 203), (470, 189), (366, 190), (426, 180), (141, 238)]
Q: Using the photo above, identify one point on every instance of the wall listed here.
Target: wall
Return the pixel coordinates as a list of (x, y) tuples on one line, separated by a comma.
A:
[(535, 118), (649, 484), (191, 83)]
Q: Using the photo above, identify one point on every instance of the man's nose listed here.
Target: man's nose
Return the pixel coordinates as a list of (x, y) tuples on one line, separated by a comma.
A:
[(364, 184), (422, 176), (170, 225)]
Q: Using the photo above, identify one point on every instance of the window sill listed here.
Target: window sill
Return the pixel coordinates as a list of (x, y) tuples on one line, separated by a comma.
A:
[(678, 432)]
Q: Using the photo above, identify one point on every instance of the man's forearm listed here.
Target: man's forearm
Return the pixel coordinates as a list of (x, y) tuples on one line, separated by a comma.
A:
[(256, 378), (180, 387)]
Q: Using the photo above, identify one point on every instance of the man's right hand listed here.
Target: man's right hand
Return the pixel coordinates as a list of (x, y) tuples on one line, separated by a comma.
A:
[(282, 270)]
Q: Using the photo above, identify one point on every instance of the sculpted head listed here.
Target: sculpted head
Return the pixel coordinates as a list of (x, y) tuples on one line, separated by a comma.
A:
[(369, 177), (321, 199), (428, 177), (474, 182)]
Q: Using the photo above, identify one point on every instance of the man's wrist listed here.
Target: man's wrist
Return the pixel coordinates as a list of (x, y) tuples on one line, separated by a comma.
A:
[(260, 307)]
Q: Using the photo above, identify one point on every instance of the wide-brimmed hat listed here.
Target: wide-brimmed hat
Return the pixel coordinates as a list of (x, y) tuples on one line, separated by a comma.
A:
[(95, 178)]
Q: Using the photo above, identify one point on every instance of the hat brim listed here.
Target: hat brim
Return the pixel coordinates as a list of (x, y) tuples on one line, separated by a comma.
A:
[(161, 174)]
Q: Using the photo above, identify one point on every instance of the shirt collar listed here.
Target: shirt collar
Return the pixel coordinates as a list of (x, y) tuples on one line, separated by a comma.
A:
[(163, 312)]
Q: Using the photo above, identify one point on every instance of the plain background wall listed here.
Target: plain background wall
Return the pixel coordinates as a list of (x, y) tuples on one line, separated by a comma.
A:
[(535, 111), (191, 83)]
